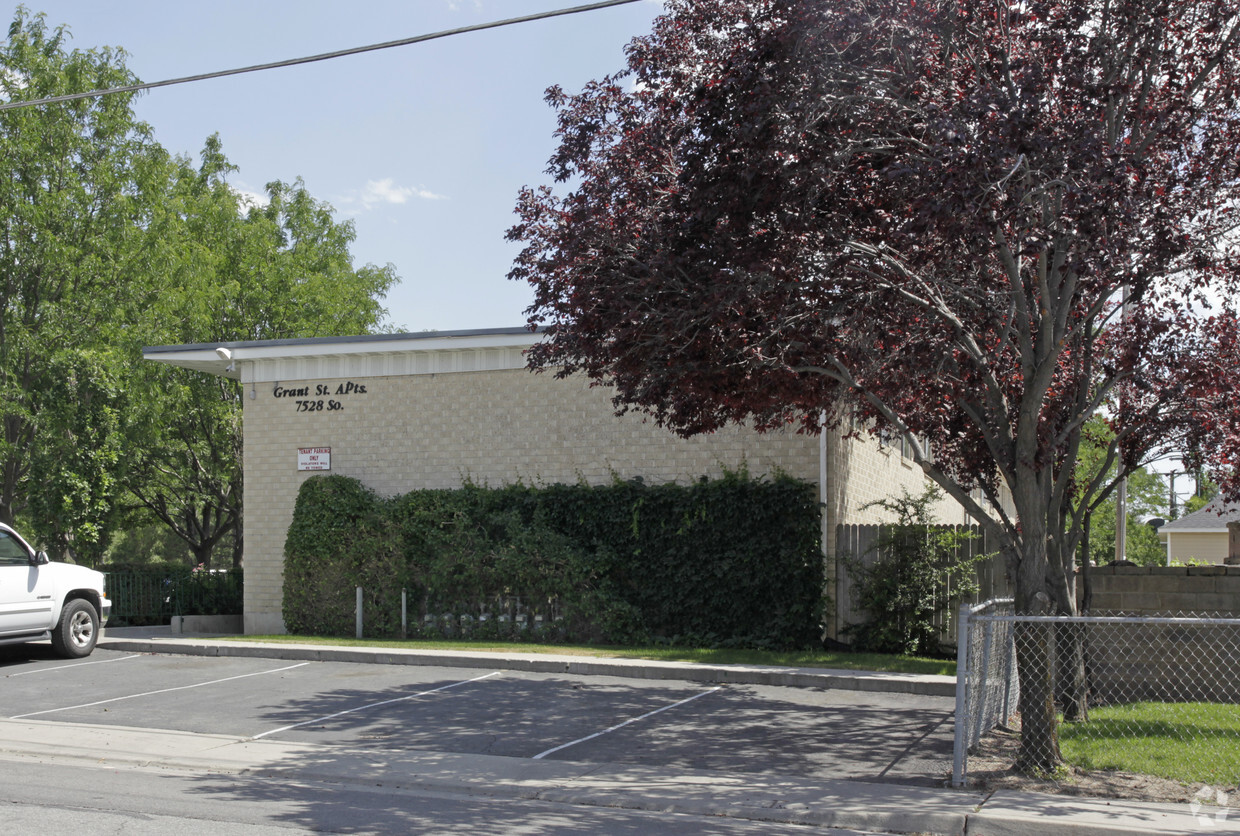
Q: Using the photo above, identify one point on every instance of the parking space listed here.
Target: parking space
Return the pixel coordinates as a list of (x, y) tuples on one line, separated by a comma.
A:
[(744, 728)]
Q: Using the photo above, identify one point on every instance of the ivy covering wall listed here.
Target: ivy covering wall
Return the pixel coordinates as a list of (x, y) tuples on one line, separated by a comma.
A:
[(733, 561)]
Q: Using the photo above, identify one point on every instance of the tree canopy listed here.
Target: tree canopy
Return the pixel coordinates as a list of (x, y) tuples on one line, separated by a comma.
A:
[(924, 212), (227, 273), (929, 214), (108, 243), (69, 209)]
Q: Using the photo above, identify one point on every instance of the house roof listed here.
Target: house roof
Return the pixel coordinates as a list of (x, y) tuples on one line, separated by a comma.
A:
[(1208, 520)]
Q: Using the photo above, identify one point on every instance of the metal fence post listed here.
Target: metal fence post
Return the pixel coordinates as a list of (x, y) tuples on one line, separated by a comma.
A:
[(1011, 687), (962, 687), (359, 612)]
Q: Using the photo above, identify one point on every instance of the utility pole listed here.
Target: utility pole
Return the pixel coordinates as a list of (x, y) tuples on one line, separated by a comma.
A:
[(1121, 495), (1121, 519), (1171, 506)]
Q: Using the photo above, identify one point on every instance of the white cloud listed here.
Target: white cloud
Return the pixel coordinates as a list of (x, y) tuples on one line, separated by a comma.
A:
[(385, 191), (251, 199)]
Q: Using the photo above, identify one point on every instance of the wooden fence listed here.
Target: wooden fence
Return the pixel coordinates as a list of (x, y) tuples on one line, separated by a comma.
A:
[(858, 542)]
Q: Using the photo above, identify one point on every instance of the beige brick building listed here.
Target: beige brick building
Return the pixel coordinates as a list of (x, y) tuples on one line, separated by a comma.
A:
[(406, 411)]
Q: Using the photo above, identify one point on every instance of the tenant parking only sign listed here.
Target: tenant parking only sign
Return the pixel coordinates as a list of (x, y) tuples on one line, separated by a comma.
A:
[(314, 458)]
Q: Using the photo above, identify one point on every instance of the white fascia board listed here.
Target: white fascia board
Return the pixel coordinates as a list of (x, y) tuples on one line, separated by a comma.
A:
[(397, 346), (201, 360), (249, 355)]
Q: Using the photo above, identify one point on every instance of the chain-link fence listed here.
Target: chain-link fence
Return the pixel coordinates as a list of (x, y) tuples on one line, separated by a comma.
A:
[(1156, 695)]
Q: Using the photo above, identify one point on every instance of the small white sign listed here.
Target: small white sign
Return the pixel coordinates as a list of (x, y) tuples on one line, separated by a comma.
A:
[(314, 458)]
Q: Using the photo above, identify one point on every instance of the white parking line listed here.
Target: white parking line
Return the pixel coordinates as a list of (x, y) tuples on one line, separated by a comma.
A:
[(374, 705), (625, 723), (73, 665), (160, 691)]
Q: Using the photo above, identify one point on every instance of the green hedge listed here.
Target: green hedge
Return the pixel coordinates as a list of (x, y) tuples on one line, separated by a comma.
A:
[(733, 561)]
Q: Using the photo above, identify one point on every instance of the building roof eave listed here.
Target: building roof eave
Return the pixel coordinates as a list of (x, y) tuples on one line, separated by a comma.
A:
[(204, 357)]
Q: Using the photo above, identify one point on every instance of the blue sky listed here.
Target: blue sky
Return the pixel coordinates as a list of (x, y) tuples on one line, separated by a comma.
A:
[(423, 147)]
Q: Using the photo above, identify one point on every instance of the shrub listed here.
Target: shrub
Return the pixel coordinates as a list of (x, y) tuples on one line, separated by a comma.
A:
[(341, 538), (921, 569)]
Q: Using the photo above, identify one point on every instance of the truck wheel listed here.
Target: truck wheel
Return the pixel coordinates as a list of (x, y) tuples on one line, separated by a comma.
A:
[(78, 630)]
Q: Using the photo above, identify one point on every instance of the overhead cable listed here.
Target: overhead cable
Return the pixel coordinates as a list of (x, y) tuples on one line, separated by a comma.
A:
[(495, 24)]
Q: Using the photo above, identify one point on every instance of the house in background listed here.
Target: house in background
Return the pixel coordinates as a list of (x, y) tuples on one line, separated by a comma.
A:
[(1204, 535), (401, 412)]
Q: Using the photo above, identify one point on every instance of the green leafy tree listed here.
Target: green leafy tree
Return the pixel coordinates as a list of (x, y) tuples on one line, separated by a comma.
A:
[(1146, 497), (73, 467), (109, 244), (71, 206), (229, 272), (1206, 490)]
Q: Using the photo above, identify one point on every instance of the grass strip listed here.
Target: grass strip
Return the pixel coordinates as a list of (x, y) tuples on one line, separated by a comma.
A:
[(1186, 742), (706, 656)]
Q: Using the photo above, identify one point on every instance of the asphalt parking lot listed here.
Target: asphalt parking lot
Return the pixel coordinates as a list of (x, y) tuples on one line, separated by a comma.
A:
[(806, 732)]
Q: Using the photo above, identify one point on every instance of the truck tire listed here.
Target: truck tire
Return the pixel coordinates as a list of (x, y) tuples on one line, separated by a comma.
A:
[(78, 630)]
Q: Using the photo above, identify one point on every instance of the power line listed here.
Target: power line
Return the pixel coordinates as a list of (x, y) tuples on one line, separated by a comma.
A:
[(495, 24)]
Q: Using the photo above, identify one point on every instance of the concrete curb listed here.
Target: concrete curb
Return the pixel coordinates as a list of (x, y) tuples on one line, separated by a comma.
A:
[(900, 683)]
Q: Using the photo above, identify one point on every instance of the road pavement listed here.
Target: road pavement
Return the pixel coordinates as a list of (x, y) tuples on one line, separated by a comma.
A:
[(295, 765)]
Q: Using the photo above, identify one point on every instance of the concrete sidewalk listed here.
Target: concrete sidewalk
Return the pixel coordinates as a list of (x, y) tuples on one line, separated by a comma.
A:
[(778, 798)]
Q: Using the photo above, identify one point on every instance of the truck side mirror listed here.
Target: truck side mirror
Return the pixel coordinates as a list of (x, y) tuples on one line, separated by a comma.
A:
[(40, 558)]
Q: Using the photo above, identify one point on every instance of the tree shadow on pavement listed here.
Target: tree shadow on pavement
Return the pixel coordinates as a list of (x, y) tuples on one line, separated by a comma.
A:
[(396, 741)]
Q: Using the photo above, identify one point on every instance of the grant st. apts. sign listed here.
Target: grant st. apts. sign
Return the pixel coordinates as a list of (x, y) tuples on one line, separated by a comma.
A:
[(319, 397)]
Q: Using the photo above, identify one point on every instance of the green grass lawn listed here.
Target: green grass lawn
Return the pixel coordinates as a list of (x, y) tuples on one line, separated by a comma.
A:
[(1186, 742), (793, 658)]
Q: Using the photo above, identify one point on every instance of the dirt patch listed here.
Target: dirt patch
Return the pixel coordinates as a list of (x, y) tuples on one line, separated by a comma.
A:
[(991, 769)]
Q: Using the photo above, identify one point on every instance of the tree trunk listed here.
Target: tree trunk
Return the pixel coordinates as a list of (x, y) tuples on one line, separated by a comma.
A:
[(1087, 576), (238, 545), (1039, 737), (1072, 680), (202, 554), (1072, 646), (1035, 643)]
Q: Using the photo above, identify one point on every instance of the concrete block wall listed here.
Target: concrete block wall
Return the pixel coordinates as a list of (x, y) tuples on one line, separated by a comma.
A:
[(1163, 590), (1161, 662)]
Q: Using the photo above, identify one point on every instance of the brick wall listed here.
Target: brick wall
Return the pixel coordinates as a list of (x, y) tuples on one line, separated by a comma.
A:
[(435, 430)]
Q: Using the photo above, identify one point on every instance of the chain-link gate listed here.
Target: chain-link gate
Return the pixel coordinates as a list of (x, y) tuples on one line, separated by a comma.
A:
[(987, 687), (1162, 692)]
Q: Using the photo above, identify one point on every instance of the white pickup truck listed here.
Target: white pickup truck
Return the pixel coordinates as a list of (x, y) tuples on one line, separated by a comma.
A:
[(44, 600)]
